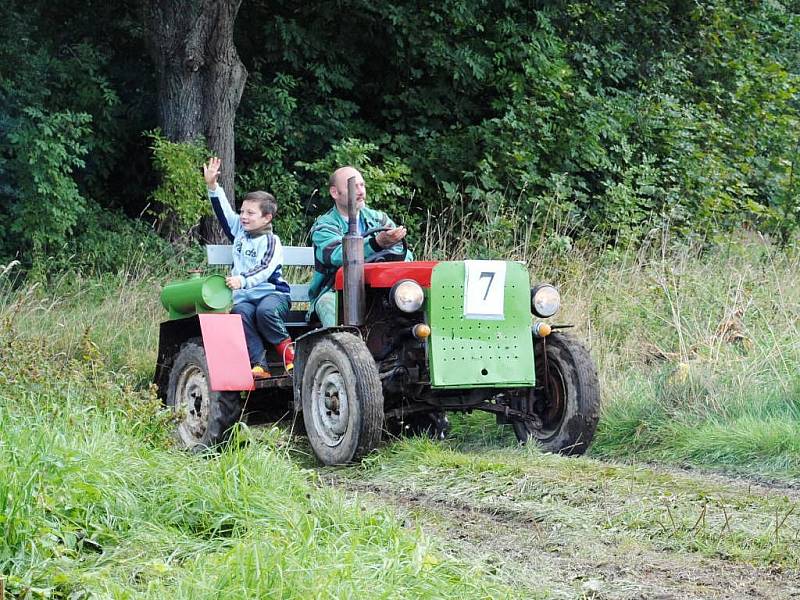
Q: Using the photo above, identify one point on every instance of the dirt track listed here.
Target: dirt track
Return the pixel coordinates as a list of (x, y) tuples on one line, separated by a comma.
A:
[(542, 562)]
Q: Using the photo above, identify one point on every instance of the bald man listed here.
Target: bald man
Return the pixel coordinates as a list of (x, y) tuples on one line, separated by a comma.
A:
[(329, 230)]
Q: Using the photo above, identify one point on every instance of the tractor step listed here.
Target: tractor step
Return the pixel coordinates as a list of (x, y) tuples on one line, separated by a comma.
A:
[(276, 381)]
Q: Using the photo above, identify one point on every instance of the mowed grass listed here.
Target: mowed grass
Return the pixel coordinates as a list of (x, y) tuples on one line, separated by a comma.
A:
[(583, 507), (699, 359)]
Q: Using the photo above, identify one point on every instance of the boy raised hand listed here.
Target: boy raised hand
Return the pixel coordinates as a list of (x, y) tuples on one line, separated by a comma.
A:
[(211, 172)]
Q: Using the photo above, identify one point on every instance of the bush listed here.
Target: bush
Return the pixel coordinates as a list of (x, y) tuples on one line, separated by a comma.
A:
[(181, 193), (48, 206)]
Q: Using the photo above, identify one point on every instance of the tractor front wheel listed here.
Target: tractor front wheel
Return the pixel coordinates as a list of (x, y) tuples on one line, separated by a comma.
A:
[(342, 399), (204, 416), (566, 402)]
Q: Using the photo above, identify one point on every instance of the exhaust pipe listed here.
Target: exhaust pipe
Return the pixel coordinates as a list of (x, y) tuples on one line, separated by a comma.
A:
[(353, 263)]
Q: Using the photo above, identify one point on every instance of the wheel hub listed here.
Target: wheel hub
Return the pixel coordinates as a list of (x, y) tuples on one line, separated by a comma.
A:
[(192, 393), (551, 408), (544, 406), (330, 408), (332, 402)]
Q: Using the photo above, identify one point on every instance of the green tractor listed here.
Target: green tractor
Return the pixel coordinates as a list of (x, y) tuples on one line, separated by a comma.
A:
[(415, 340)]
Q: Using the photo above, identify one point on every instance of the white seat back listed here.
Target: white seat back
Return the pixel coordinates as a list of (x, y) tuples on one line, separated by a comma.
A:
[(293, 256), (219, 254)]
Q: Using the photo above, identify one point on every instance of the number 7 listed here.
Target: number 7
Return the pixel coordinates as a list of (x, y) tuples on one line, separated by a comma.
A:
[(490, 275)]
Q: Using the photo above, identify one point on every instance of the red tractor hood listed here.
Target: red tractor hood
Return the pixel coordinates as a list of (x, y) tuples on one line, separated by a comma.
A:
[(386, 274)]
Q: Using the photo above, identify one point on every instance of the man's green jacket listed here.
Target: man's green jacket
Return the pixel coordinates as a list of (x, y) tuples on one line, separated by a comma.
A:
[(326, 237)]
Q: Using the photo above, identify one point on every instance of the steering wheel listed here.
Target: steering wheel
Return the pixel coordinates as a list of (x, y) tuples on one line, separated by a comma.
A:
[(387, 254)]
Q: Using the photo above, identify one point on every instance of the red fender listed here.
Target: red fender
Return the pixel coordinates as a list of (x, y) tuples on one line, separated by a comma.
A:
[(226, 352)]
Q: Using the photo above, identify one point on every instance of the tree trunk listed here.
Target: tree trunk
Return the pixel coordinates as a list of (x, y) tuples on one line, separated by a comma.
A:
[(200, 78)]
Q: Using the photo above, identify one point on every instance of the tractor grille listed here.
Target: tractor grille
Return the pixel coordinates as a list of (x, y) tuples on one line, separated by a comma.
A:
[(477, 352)]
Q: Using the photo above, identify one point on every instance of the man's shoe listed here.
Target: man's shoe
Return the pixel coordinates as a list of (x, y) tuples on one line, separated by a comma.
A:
[(260, 372)]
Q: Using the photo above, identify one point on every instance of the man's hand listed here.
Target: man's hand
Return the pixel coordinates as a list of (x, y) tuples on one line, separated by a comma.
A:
[(234, 282), (387, 239), (211, 173)]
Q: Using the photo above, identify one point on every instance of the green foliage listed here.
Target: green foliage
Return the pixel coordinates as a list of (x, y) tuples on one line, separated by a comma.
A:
[(608, 121), (47, 148), (60, 127), (264, 130), (181, 192), (590, 119)]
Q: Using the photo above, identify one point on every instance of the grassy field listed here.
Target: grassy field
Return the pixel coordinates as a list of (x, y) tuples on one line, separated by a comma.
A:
[(699, 358), (94, 501), (698, 345)]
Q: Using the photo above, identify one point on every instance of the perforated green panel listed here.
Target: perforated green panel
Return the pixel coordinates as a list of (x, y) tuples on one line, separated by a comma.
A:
[(469, 353)]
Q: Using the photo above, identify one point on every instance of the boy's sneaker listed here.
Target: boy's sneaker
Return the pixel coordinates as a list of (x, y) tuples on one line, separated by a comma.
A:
[(260, 372), (286, 352)]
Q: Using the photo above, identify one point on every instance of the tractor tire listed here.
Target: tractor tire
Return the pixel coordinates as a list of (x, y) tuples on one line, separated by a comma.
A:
[(205, 416), (570, 408), (342, 399)]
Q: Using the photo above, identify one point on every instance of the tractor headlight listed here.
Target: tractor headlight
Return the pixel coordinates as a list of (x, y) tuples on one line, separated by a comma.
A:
[(407, 295), (545, 300)]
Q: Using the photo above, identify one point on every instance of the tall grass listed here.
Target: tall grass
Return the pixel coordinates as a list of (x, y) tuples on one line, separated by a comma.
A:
[(700, 358), (698, 344), (94, 501)]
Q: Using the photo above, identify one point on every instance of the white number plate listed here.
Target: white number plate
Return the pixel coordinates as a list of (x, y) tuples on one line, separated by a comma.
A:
[(484, 289)]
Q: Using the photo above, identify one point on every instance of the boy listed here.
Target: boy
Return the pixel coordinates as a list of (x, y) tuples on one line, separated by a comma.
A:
[(260, 294)]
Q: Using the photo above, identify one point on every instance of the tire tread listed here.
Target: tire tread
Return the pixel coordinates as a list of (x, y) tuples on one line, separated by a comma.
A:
[(224, 407), (368, 390), (578, 368)]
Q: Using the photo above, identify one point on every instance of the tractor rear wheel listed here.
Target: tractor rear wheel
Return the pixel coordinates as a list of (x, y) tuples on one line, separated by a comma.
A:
[(566, 407), (205, 416), (342, 399)]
